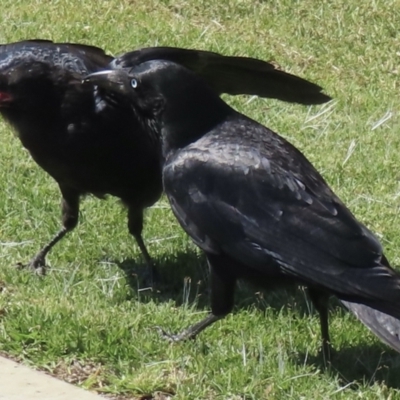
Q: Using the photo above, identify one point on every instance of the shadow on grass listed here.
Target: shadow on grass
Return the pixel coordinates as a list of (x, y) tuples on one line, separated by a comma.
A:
[(359, 365), (184, 279)]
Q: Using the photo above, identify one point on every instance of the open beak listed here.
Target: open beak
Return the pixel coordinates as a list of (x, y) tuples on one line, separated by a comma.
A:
[(115, 80), (5, 99)]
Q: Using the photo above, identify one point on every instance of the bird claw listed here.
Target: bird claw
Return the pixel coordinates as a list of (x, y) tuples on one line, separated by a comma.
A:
[(168, 336), (37, 265)]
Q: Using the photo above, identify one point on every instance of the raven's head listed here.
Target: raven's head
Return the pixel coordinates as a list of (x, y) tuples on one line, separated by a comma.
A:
[(29, 100), (179, 105), (128, 85), (23, 84), (36, 74), (40, 90)]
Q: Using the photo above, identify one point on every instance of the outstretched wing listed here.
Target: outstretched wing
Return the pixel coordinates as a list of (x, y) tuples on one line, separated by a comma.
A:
[(247, 193), (232, 75)]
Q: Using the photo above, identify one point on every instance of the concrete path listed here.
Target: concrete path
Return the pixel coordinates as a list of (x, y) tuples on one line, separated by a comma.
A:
[(18, 382)]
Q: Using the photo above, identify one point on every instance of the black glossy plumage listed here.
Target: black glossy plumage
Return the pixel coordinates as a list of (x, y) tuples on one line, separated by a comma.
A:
[(233, 75), (255, 204), (88, 141), (83, 139)]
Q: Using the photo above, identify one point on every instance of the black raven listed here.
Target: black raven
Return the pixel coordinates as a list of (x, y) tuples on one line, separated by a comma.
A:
[(88, 141), (254, 204)]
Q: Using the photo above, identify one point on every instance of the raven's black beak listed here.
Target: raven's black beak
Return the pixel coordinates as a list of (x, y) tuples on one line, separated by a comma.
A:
[(115, 80)]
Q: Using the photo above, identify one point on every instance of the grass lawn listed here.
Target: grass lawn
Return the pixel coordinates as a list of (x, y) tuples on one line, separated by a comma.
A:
[(89, 323)]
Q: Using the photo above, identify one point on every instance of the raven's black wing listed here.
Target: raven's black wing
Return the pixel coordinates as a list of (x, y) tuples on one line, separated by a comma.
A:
[(232, 75), (244, 191)]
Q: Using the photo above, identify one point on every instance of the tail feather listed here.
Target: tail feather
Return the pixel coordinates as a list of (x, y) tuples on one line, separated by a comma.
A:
[(232, 75), (384, 326)]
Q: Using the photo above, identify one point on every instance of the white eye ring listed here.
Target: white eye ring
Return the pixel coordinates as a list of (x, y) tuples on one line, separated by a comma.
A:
[(134, 83)]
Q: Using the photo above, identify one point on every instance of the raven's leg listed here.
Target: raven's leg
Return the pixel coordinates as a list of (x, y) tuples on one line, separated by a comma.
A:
[(320, 301), (222, 298), (135, 226), (70, 215)]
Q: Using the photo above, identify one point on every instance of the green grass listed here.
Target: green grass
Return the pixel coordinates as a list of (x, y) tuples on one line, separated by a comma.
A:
[(87, 322)]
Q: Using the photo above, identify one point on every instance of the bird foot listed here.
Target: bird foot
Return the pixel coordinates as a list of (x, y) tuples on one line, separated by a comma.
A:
[(37, 265), (150, 277), (170, 337)]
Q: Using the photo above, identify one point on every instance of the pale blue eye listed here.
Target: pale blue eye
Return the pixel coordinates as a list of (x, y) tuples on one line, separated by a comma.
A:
[(134, 83)]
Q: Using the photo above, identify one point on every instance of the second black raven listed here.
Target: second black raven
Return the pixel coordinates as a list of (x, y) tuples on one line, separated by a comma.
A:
[(92, 143), (254, 204)]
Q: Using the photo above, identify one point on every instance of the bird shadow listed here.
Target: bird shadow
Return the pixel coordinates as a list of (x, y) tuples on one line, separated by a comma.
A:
[(360, 365), (184, 279)]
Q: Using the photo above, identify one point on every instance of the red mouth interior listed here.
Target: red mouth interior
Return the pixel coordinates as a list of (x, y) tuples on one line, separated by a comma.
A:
[(5, 97)]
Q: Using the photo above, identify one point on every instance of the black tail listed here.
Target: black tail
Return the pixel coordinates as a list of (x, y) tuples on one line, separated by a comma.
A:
[(384, 326), (232, 75)]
